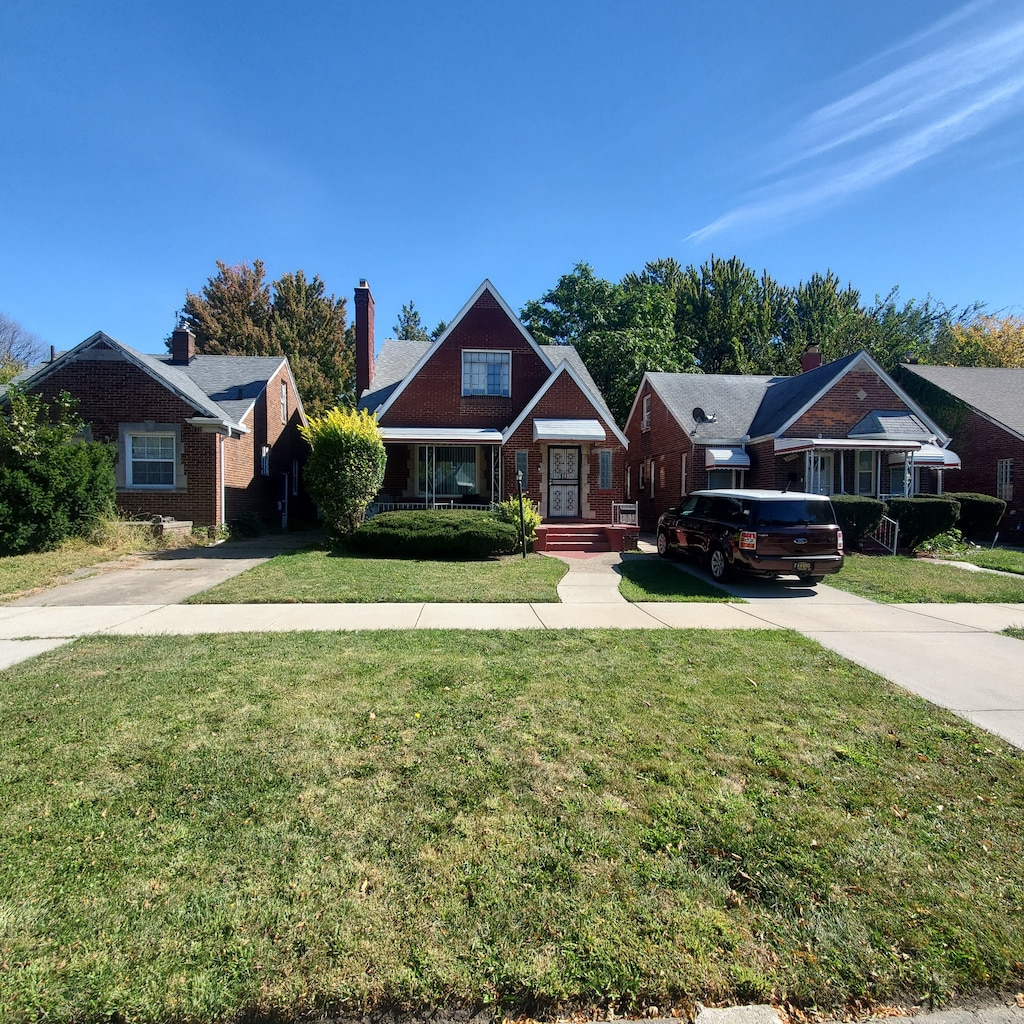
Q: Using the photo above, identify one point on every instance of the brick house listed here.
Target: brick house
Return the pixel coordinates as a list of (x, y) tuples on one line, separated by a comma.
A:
[(198, 437), (845, 427), (462, 415), (982, 408)]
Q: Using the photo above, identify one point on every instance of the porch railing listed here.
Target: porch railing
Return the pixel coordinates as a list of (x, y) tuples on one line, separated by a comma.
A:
[(887, 533), (625, 513)]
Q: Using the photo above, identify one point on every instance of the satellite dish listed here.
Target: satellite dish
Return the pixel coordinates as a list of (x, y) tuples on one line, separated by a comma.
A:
[(699, 416)]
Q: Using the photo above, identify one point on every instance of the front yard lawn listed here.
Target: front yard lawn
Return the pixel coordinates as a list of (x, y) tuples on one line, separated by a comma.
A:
[(245, 827), (1005, 559), (654, 579), (895, 579), (323, 577)]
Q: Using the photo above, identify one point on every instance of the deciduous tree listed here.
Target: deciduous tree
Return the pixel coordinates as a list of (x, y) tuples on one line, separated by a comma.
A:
[(18, 347)]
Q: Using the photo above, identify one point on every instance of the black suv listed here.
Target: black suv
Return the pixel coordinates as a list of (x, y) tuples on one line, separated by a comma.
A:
[(764, 532)]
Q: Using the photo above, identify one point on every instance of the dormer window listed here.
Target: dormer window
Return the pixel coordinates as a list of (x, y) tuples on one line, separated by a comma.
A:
[(486, 372)]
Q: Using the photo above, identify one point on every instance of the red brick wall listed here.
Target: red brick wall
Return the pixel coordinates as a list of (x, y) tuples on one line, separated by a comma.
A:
[(980, 445), (247, 491), (111, 392), (434, 398), (665, 443), (842, 408), (565, 400)]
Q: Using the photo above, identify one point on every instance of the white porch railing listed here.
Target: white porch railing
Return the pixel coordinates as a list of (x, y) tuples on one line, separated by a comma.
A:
[(625, 513), (887, 533)]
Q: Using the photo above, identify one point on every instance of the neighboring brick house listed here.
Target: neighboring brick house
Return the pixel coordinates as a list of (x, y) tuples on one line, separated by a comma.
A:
[(982, 408), (845, 427), (461, 415), (198, 437)]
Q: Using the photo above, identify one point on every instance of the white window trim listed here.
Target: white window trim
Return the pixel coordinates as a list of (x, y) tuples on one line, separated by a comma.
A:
[(645, 418), (124, 474), (652, 477), (485, 351), (1004, 479), (641, 482), (284, 402)]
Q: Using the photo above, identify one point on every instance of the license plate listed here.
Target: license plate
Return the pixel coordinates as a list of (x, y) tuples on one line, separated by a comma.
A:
[(802, 566)]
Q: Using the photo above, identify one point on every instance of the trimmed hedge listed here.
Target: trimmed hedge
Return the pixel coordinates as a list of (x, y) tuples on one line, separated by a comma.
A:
[(979, 513), (857, 516), (457, 535), (921, 519)]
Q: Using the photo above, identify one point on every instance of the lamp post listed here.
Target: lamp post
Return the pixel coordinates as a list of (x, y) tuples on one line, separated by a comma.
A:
[(522, 519)]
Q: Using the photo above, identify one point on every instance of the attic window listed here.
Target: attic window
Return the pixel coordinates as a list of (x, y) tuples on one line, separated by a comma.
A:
[(486, 372)]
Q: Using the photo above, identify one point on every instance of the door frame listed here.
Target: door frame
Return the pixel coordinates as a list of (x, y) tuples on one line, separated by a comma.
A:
[(562, 483)]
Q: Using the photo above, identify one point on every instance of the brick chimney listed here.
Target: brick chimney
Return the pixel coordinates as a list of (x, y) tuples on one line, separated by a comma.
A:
[(811, 359), (364, 338), (183, 346)]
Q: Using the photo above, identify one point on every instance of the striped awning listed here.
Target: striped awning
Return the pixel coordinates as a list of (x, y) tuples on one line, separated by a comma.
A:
[(568, 430), (729, 458), (931, 455), (440, 435)]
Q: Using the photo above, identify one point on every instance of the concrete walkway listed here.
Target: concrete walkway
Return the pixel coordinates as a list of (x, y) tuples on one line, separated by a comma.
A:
[(950, 654)]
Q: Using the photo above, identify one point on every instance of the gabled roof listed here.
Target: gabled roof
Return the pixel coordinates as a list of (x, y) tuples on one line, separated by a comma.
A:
[(594, 396), (222, 388), (996, 393), (732, 399), (396, 360), (432, 347)]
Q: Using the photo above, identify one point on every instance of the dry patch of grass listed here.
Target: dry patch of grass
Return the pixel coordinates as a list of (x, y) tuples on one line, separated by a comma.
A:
[(242, 827)]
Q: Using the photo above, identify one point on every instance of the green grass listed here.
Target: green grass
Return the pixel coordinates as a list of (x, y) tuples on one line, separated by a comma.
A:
[(238, 827), (22, 574), (322, 577), (1015, 631), (647, 579), (898, 580), (1005, 559)]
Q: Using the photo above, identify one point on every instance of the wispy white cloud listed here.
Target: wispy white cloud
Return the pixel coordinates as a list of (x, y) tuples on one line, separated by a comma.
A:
[(954, 89)]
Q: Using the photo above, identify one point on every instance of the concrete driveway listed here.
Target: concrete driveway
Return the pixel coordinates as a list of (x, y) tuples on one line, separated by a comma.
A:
[(164, 577)]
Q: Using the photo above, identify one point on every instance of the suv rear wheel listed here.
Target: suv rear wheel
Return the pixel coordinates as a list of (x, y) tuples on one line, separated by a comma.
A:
[(718, 564)]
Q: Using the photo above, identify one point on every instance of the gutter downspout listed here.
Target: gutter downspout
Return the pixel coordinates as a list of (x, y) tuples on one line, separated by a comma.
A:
[(223, 510)]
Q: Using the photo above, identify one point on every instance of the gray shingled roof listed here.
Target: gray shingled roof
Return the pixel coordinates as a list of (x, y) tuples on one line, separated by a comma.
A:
[(996, 392), (222, 387), (787, 395), (885, 423), (733, 399), (397, 357)]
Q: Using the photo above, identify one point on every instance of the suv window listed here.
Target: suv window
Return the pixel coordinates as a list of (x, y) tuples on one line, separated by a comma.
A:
[(795, 513), (729, 510)]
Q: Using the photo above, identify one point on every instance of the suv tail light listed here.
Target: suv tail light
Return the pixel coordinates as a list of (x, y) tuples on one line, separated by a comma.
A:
[(748, 540), (839, 540)]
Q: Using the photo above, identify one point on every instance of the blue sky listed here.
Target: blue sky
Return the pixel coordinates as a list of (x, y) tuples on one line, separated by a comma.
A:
[(428, 146)]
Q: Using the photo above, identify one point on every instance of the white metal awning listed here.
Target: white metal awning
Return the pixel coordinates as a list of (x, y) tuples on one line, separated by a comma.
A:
[(440, 435), (806, 444), (931, 455), (730, 458), (568, 430)]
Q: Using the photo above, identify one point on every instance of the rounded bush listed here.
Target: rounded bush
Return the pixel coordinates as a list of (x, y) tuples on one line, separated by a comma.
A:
[(457, 534), (921, 519), (857, 516), (979, 514)]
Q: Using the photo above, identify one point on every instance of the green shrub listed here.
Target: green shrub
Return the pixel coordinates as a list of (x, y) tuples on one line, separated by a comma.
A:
[(922, 519), (857, 516), (52, 485), (979, 513), (951, 543), (508, 512), (456, 535), (346, 467)]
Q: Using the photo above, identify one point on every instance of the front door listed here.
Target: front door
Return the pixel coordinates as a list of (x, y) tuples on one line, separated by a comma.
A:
[(563, 482)]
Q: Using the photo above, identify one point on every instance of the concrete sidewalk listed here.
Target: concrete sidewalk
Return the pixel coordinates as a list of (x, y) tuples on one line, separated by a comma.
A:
[(951, 655)]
